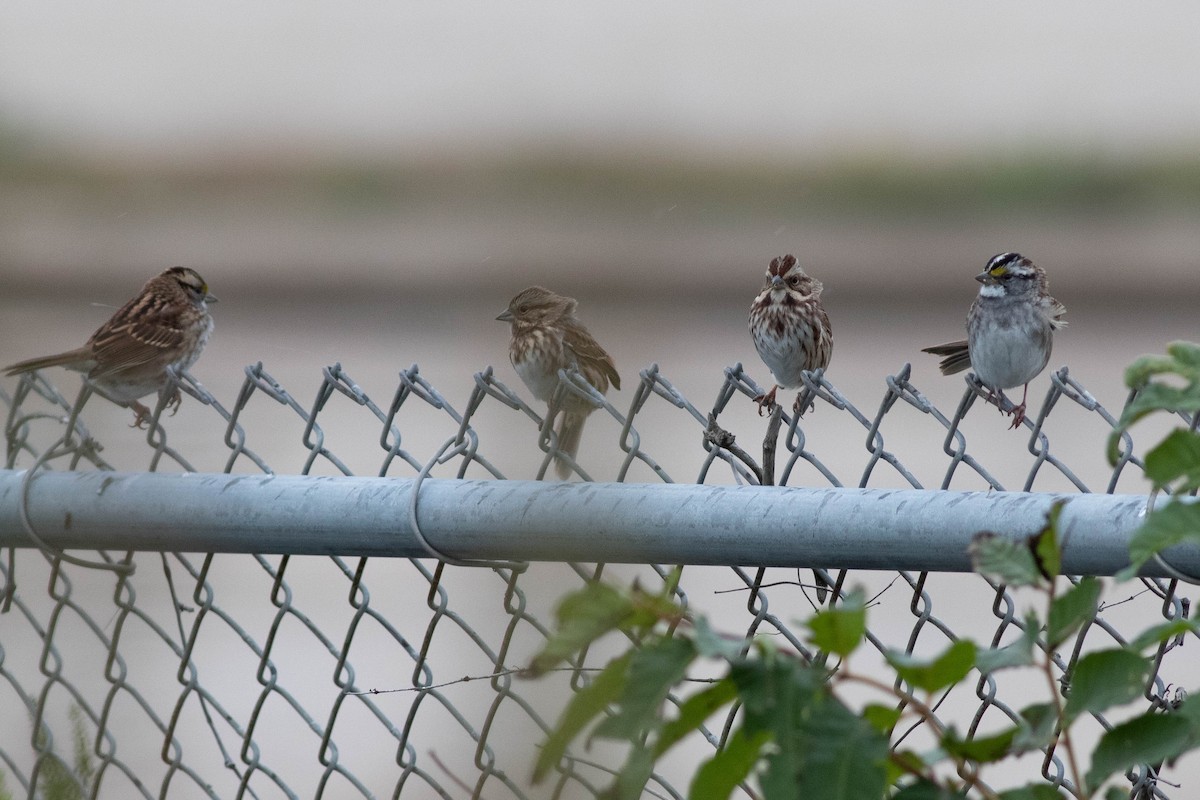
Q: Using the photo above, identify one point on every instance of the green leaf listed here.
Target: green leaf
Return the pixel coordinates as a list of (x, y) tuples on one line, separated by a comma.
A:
[(896, 766), (844, 757), (1180, 360), (1047, 550), (1139, 373), (653, 671), (1157, 397), (586, 704), (1175, 523), (1189, 710), (1039, 724), (1104, 679), (840, 630), (1072, 609), (1177, 456), (1017, 654), (925, 790), (631, 780), (983, 749), (1157, 634), (820, 749), (1033, 791), (720, 775), (1003, 560), (947, 669), (693, 711), (1152, 396), (881, 718), (1116, 793), (583, 617), (1145, 739), (1187, 357), (772, 689), (777, 696), (710, 644)]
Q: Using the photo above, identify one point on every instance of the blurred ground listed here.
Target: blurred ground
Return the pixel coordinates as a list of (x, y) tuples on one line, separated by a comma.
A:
[(620, 226)]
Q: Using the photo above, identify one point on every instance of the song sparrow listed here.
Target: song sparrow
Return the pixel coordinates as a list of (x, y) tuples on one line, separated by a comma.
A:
[(166, 325), (790, 327), (546, 337), (1010, 329)]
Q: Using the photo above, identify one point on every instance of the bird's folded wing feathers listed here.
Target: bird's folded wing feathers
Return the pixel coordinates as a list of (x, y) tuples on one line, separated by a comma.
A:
[(587, 349), (138, 335)]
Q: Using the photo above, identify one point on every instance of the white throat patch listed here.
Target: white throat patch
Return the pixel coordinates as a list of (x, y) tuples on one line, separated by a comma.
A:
[(994, 290)]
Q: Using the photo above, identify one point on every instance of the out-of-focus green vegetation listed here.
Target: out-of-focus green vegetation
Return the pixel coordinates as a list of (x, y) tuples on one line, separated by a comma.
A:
[(56, 780), (1033, 184)]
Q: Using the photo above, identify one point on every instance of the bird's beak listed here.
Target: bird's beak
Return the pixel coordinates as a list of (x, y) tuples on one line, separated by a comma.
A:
[(505, 317), (776, 282), (210, 298), (985, 278)]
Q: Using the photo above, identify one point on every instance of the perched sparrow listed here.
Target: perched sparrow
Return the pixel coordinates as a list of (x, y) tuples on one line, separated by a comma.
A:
[(1010, 329), (546, 337), (790, 327), (166, 325)]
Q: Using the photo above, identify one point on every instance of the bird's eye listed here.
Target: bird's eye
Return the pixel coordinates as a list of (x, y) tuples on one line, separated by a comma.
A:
[(794, 280), (522, 309)]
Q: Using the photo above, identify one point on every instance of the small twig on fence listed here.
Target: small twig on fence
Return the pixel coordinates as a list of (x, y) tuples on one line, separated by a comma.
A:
[(463, 679), (457, 780), (766, 478), (770, 442), (1063, 734), (882, 592), (599, 767), (1115, 603), (760, 586), (520, 672), (872, 601), (717, 436), (964, 769)]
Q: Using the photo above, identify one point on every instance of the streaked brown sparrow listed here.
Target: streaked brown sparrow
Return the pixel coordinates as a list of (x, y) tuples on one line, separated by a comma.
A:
[(546, 337), (166, 325), (1010, 329), (790, 327)]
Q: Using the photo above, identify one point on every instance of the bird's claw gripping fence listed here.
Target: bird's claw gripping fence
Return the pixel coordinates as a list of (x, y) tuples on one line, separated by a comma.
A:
[(348, 675)]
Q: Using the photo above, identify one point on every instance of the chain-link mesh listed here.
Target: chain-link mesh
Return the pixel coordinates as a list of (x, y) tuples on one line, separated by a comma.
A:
[(276, 676)]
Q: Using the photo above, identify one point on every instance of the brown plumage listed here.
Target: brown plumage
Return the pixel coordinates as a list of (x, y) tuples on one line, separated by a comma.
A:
[(166, 325), (790, 327), (546, 337)]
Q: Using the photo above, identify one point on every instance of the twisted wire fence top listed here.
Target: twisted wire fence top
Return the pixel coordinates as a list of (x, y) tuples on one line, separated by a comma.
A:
[(276, 676)]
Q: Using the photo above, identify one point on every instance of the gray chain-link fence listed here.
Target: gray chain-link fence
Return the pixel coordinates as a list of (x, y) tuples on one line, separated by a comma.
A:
[(139, 674)]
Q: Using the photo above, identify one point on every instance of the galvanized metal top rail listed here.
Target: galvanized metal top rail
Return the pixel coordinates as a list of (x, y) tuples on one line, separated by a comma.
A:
[(537, 521)]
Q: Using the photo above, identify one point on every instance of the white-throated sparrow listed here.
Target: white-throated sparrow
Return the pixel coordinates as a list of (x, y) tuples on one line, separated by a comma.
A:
[(166, 325), (1010, 328)]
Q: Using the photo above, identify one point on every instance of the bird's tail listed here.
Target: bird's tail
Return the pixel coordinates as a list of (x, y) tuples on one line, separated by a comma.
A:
[(957, 356), (570, 431), (66, 359)]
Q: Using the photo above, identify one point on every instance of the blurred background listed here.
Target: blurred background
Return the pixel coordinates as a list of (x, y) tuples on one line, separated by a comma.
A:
[(371, 184)]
